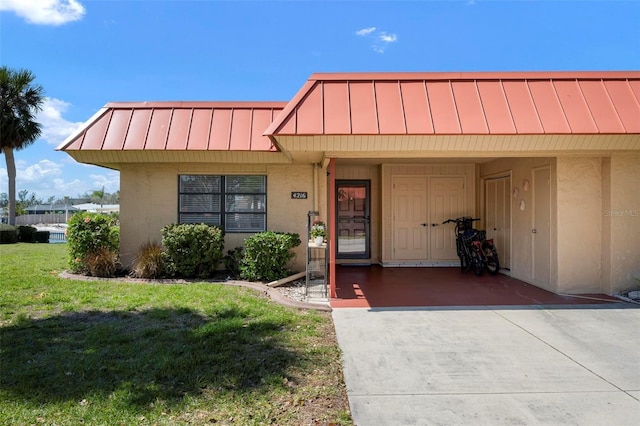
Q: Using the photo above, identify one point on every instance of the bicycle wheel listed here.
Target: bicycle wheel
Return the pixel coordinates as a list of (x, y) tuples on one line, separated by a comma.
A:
[(477, 263), (462, 255)]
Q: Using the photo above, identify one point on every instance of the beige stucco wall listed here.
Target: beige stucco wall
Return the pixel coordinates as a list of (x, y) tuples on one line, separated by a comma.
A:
[(521, 170), (579, 186), (621, 223), (149, 201)]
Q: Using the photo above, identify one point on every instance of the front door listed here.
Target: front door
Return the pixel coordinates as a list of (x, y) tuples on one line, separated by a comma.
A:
[(446, 201), (409, 209), (353, 219)]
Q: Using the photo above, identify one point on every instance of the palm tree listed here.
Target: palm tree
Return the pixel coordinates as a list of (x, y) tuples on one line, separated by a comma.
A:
[(20, 100)]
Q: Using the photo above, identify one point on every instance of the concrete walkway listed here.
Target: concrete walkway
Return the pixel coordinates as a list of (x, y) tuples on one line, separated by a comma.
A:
[(554, 365)]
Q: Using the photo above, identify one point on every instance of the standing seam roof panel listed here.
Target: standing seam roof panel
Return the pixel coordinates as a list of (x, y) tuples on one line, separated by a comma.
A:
[(389, 106), (443, 107), (523, 111), (364, 117), (118, 127), (94, 139), (417, 113), (496, 109), (179, 129), (601, 107), (138, 128), (240, 139), (626, 104), (220, 130), (336, 108), (575, 107), (200, 129), (548, 106), (469, 105), (158, 129), (261, 120), (310, 113)]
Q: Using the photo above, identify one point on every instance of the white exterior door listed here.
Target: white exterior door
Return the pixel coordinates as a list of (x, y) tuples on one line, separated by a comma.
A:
[(409, 209), (497, 201), (541, 228), (446, 200), (419, 206)]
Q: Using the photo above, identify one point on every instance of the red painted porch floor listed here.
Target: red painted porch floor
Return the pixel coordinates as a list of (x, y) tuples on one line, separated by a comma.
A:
[(374, 286)]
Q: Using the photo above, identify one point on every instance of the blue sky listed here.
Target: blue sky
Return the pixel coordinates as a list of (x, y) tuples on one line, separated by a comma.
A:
[(86, 53)]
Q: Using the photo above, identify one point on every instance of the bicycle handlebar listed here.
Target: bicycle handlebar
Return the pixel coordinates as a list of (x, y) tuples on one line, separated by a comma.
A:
[(461, 219)]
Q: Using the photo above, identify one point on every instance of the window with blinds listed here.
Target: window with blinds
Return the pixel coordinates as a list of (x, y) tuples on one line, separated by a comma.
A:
[(233, 203)]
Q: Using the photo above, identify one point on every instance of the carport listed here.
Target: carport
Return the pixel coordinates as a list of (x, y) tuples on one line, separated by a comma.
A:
[(378, 287)]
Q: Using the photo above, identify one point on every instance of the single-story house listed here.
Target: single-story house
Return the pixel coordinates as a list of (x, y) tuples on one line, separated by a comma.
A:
[(50, 208), (97, 208), (550, 162)]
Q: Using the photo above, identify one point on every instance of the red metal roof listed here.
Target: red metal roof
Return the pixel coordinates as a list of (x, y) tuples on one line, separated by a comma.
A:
[(464, 103), (192, 126)]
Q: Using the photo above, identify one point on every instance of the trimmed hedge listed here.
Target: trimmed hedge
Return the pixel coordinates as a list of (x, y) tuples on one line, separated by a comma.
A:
[(8, 234), (192, 250), (267, 254)]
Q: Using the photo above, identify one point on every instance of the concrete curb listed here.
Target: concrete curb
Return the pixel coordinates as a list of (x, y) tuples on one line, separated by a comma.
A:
[(270, 292)]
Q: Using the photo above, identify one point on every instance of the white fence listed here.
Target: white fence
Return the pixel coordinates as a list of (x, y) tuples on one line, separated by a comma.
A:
[(49, 218)]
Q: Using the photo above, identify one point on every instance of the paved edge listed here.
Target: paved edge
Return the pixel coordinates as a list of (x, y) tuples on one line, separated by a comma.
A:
[(270, 292)]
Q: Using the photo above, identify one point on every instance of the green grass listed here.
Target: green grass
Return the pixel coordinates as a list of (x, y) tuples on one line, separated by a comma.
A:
[(111, 352)]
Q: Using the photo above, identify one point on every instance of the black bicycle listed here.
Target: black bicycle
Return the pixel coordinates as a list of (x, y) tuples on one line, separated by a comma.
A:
[(473, 248)]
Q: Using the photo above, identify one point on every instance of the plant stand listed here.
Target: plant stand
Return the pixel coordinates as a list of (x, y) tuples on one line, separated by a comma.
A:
[(316, 265)]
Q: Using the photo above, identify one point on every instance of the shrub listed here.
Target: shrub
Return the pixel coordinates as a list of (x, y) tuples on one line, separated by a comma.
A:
[(26, 233), (8, 234), (192, 250), (87, 233), (41, 237), (149, 261), (102, 262), (233, 260), (266, 255)]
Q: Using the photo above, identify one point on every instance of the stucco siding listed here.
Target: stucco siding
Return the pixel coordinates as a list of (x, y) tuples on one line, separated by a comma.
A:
[(623, 219), (149, 201), (579, 224)]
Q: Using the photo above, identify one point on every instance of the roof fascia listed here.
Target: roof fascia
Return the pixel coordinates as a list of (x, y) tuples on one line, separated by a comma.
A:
[(507, 75), (198, 104)]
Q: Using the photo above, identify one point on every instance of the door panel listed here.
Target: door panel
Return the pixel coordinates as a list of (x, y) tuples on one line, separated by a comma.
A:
[(409, 210), (446, 200), (498, 216), (353, 219), (541, 227)]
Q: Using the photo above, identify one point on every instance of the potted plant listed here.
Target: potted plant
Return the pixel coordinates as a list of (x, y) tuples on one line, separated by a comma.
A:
[(318, 232)]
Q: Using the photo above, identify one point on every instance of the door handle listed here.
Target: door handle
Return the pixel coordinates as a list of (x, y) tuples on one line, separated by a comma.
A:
[(535, 231)]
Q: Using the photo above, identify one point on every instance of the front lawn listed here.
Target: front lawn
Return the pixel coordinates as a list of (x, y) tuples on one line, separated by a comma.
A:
[(111, 352)]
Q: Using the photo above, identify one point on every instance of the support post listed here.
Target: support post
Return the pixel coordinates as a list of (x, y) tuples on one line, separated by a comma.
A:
[(333, 229)]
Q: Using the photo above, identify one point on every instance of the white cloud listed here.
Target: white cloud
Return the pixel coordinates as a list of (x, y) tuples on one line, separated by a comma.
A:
[(55, 128), (45, 12), (365, 31), (381, 39), (388, 38)]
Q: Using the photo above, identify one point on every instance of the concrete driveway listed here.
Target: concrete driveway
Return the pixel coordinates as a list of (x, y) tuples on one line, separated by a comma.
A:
[(562, 365)]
